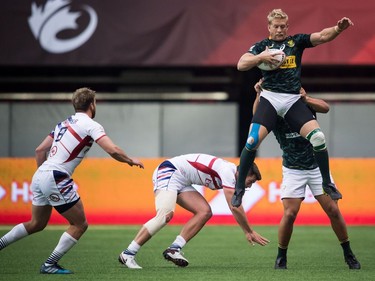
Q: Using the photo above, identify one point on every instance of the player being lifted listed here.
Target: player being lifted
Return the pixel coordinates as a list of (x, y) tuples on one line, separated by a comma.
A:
[(280, 95)]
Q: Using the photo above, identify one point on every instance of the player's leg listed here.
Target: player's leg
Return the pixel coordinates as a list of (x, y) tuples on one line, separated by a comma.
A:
[(167, 182), (195, 203), (39, 219), (291, 208), (40, 214), (302, 120), (262, 123), (293, 189), (74, 213), (165, 202), (338, 224)]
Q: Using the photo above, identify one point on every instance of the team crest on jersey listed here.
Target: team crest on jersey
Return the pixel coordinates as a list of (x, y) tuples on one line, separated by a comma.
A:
[(291, 43), (53, 151)]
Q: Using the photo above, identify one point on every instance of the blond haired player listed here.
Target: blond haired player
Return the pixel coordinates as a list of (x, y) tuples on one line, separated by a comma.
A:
[(52, 185), (280, 95)]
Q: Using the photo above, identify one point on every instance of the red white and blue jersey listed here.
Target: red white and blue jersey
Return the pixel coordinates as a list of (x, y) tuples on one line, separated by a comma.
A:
[(72, 139), (203, 169)]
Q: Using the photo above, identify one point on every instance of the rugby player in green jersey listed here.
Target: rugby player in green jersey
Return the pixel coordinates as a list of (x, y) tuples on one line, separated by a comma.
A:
[(280, 95), (299, 170)]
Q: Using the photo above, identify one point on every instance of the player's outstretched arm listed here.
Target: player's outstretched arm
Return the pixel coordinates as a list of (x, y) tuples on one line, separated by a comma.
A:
[(241, 218), (330, 33), (117, 153)]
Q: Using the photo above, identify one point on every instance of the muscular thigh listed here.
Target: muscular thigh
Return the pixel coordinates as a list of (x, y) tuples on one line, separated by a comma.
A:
[(193, 201), (298, 115), (265, 115)]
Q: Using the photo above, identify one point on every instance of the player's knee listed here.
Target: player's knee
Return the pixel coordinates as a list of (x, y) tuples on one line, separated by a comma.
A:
[(253, 138), (169, 216), (317, 139), (35, 226), (84, 226), (78, 229), (162, 217), (290, 216), (333, 212), (206, 214)]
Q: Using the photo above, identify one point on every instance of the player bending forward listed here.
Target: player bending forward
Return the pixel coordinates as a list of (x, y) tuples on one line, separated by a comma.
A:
[(173, 180)]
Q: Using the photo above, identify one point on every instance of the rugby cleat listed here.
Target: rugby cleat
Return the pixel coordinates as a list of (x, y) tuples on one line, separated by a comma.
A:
[(237, 198), (175, 256), (332, 191), (54, 269), (352, 261), (280, 263), (128, 261)]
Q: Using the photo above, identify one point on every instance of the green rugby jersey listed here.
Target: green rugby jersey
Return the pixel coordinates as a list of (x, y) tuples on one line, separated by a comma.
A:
[(297, 151), (287, 78)]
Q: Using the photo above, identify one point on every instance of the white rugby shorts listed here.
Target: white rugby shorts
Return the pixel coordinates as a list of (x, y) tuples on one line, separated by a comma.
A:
[(295, 181), (53, 188), (167, 178)]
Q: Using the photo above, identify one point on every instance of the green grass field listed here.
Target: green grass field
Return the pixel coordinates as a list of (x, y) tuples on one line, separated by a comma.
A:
[(217, 253)]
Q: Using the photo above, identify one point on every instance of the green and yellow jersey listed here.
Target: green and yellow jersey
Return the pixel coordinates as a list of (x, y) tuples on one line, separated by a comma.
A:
[(285, 79), (297, 151)]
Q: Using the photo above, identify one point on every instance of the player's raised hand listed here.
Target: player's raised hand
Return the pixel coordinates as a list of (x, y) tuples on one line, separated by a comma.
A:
[(344, 23)]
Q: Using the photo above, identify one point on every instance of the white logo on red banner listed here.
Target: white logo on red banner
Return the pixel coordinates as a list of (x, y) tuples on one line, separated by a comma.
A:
[(46, 22)]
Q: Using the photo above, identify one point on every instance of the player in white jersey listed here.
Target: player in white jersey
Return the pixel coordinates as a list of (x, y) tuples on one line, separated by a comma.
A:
[(52, 185), (173, 180)]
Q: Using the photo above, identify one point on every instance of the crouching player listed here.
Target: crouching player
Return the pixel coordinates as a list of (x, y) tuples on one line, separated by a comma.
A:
[(173, 180)]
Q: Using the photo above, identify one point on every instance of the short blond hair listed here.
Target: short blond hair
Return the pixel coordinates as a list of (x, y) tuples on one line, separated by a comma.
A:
[(82, 98), (276, 14)]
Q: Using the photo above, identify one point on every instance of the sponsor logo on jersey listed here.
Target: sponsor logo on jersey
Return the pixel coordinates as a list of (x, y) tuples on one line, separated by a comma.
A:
[(290, 62), (292, 135)]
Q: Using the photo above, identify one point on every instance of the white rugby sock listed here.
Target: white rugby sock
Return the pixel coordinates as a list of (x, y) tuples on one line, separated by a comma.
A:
[(66, 242), (16, 233), (133, 248), (178, 243)]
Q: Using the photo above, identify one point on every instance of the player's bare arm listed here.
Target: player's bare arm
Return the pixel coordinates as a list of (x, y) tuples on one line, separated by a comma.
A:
[(330, 33), (318, 105), (241, 218), (248, 61), (117, 153), (42, 150)]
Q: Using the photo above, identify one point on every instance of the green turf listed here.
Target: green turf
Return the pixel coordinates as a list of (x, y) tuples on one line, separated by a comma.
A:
[(217, 253)]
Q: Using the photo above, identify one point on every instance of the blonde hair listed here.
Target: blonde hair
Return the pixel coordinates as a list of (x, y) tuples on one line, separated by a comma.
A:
[(82, 98), (276, 14)]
